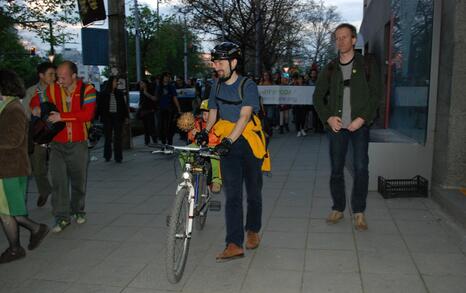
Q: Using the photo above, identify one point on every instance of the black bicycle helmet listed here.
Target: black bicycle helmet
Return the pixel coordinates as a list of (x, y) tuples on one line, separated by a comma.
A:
[(225, 51)]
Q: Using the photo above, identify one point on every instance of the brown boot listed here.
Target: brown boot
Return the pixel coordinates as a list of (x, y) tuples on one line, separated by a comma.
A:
[(232, 251), (360, 222), (334, 217), (253, 240)]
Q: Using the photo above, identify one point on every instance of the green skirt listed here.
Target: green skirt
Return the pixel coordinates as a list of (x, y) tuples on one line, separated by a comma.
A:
[(12, 193)]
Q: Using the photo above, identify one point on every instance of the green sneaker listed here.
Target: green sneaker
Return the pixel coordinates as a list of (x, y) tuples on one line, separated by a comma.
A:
[(80, 218), (60, 226)]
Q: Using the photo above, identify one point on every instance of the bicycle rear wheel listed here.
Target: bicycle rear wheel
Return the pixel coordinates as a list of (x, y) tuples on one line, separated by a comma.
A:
[(202, 203), (178, 237)]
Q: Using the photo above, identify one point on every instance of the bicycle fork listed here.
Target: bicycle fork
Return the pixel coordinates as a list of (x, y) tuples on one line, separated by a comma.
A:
[(189, 227)]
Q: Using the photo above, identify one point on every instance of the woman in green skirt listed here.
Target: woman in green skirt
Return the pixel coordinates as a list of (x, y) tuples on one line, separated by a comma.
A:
[(14, 169)]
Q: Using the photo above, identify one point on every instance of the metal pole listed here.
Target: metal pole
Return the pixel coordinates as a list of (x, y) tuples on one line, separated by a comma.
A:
[(117, 56), (185, 51), (158, 14), (259, 39), (223, 20), (52, 50), (138, 40)]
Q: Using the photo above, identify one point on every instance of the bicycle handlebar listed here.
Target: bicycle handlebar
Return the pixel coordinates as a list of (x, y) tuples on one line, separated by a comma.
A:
[(203, 151)]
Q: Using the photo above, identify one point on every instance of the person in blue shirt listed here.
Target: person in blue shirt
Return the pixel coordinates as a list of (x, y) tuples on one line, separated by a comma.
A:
[(169, 109), (238, 161)]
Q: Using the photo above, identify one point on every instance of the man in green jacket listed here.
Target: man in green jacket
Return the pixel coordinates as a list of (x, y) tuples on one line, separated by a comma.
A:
[(346, 98)]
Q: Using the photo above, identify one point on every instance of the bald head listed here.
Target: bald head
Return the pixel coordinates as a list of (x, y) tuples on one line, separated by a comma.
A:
[(67, 74)]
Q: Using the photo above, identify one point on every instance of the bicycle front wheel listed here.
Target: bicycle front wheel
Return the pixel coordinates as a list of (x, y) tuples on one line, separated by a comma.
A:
[(178, 237), (202, 203)]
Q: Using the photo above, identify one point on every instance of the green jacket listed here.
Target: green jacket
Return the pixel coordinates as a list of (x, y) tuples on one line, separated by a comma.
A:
[(365, 94)]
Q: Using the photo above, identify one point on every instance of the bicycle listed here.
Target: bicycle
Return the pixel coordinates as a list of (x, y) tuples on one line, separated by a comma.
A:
[(192, 202)]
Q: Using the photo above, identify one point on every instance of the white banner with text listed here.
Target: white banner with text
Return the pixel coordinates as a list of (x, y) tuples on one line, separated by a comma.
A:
[(286, 94)]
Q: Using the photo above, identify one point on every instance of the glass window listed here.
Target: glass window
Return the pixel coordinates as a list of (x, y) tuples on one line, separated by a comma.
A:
[(410, 66)]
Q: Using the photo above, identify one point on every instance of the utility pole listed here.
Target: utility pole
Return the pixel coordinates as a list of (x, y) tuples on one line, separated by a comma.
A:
[(259, 38), (138, 40), (117, 55), (185, 39), (223, 20)]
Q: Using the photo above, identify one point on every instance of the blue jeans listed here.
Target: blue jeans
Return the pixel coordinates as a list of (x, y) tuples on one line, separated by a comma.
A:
[(338, 148), (239, 166)]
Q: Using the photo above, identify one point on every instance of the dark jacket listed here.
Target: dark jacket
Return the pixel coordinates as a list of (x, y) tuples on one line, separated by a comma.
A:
[(365, 94), (103, 105), (14, 160)]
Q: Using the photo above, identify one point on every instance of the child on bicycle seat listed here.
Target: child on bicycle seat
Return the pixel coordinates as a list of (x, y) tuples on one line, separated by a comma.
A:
[(200, 124)]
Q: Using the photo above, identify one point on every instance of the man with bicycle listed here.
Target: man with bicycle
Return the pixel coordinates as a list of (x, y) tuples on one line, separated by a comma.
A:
[(234, 100)]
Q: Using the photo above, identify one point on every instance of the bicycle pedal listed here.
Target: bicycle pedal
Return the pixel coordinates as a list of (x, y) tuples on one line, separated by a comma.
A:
[(167, 220), (215, 205)]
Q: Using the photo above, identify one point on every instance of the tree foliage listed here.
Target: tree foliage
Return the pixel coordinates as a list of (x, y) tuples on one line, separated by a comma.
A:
[(321, 22), (162, 48), (282, 35), (36, 15), (13, 55)]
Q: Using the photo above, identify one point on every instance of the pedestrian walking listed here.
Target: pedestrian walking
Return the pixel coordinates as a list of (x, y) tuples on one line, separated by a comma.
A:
[(15, 169), (69, 154), (346, 97)]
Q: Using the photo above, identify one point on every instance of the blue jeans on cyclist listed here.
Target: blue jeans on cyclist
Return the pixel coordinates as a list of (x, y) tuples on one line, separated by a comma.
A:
[(339, 142), (238, 166)]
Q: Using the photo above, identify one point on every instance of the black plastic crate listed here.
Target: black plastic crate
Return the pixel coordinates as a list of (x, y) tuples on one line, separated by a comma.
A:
[(417, 186)]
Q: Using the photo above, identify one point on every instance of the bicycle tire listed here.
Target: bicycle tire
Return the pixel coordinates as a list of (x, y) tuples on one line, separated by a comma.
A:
[(178, 237), (203, 189)]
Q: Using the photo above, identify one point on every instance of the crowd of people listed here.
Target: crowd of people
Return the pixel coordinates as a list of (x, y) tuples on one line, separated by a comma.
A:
[(232, 119)]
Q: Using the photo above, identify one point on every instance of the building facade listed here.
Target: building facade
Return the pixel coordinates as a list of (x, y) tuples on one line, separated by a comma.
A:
[(421, 47)]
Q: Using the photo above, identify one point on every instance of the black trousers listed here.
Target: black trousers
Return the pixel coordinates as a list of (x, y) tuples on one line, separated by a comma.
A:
[(148, 121), (239, 167), (113, 127), (300, 117), (166, 126)]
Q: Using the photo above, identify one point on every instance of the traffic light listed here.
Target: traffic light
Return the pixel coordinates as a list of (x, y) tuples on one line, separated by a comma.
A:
[(32, 51)]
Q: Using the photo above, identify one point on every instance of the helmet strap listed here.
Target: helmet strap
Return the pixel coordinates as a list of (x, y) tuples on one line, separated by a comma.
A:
[(227, 78)]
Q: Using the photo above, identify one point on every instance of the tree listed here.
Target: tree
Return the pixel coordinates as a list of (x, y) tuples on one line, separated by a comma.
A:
[(162, 49), (277, 28), (321, 22), (13, 55), (35, 16)]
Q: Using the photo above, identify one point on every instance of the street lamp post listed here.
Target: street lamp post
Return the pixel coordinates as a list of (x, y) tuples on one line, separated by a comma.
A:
[(52, 51)]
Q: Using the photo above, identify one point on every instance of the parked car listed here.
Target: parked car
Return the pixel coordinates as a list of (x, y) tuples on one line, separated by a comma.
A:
[(136, 124), (133, 103)]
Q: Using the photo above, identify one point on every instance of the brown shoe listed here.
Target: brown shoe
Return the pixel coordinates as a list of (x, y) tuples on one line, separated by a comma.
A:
[(360, 222), (253, 240), (334, 217), (232, 251)]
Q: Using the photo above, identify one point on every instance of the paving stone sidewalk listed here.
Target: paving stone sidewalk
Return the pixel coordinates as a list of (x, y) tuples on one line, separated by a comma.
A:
[(411, 245)]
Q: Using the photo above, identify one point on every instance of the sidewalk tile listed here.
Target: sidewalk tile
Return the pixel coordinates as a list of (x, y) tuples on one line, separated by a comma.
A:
[(441, 264), (331, 241), (331, 261), (442, 284), (392, 283), (331, 283), (272, 281), (278, 259)]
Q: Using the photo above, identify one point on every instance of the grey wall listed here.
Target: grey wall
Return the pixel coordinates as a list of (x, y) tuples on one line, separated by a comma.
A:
[(376, 15), (449, 165)]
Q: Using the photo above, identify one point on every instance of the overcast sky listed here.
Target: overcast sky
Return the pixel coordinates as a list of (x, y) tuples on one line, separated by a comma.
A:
[(350, 11)]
